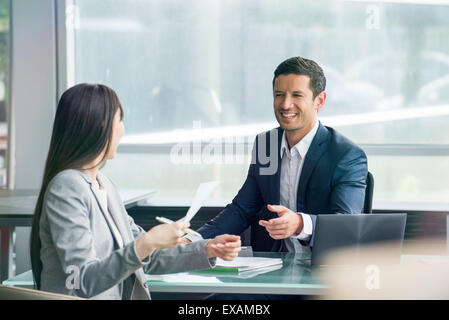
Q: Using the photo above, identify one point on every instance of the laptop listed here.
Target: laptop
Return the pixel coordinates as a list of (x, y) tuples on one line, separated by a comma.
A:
[(336, 231)]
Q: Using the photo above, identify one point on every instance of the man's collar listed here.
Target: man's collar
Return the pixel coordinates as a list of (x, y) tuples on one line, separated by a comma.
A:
[(303, 145)]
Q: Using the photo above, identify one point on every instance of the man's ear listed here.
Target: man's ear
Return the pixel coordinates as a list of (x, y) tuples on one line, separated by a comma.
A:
[(319, 100)]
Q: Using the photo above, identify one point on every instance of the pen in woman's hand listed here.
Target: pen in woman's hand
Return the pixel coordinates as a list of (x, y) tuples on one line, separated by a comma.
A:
[(168, 221)]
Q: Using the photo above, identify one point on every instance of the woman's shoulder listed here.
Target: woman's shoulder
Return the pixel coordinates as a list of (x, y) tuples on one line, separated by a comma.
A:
[(67, 190), (70, 179)]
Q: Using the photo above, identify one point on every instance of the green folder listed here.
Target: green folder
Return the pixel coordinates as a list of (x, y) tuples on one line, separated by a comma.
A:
[(217, 270), (241, 265)]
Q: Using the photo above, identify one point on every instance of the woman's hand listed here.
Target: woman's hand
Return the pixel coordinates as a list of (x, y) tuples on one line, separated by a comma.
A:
[(160, 237), (225, 246), (167, 235)]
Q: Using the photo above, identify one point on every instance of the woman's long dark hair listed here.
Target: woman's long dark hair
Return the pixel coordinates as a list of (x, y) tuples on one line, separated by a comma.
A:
[(82, 130)]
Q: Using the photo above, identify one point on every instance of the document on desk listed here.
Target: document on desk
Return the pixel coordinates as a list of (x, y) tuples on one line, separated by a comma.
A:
[(236, 274), (182, 277), (204, 191), (242, 264)]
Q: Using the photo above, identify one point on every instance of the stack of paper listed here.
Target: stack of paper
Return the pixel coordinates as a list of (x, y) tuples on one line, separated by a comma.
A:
[(243, 264), (182, 277)]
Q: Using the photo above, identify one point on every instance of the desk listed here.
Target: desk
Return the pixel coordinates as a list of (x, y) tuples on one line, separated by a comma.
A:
[(16, 210), (292, 278)]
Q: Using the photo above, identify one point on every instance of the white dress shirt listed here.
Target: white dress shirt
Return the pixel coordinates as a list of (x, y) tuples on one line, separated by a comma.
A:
[(292, 162)]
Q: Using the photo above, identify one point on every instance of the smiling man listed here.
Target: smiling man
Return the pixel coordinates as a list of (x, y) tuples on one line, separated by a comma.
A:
[(316, 169)]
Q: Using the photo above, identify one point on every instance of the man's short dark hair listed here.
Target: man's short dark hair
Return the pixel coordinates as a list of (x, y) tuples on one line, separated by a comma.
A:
[(306, 67)]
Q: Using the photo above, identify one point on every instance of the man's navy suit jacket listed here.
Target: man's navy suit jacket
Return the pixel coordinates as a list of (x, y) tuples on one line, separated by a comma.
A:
[(332, 181)]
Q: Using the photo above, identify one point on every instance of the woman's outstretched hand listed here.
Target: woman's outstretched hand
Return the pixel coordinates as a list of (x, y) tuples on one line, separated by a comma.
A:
[(160, 237)]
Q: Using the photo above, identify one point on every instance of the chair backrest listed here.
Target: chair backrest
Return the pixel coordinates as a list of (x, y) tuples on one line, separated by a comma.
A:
[(17, 293), (368, 203)]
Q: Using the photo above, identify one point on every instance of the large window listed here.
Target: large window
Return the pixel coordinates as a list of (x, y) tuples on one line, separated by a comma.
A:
[(4, 84), (196, 75)]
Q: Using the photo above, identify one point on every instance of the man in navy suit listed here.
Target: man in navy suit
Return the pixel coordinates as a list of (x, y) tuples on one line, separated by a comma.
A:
[(298, 170)]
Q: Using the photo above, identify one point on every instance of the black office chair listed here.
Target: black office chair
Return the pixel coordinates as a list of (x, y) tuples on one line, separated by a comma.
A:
[(368, 203)]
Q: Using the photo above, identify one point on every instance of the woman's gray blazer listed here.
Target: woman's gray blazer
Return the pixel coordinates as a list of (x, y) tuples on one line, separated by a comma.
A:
[(80, 254)]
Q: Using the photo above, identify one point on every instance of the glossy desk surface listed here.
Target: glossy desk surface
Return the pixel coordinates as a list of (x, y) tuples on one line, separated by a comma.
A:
[(290, 278)]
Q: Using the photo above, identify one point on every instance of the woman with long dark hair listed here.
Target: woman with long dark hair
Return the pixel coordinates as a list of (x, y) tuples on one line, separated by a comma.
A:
[(83, 243)]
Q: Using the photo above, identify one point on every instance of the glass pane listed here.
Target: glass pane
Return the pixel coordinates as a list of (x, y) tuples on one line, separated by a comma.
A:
[(175, 62), (410, 178), (4, 85), (396, 179), (179, 66), (157, 170)]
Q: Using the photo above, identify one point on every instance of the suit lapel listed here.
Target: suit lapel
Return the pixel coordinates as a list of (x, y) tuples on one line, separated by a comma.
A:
[(271, 182), (115, 212), (105, 213), (277, 177), (275, 190), (115, 209), (140, 275), (314, 153)]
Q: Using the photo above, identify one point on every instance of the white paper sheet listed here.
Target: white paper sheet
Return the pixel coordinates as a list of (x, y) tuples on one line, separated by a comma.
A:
[(248, 263), (205, 189)]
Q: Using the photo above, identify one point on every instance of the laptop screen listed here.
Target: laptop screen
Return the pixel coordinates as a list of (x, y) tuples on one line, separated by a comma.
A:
[(355, 231)]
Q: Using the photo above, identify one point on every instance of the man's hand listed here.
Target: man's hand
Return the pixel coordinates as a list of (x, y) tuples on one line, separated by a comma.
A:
[(289, 223), (225, 246)]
